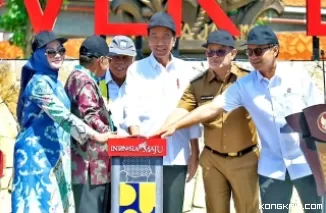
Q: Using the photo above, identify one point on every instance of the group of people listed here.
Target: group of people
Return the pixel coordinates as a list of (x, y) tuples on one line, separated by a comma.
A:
[(60, 157)]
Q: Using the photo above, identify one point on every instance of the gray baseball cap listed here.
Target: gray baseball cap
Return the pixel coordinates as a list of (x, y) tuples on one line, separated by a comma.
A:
[(122, 45)]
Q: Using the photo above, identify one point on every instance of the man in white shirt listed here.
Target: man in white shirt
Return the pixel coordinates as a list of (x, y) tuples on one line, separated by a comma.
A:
[(153, 87), (270, 93), (113, 85)]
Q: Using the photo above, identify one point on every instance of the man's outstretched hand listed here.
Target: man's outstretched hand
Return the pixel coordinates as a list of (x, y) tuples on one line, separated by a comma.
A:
[(135, 136), (104, 137), (165, 132)]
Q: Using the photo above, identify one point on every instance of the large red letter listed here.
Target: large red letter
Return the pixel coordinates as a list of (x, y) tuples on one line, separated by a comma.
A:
[(43, 21), (314, 25), (103, 27), (218, 16)]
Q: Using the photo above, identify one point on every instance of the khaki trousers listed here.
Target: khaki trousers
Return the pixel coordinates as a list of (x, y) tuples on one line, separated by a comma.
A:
[(223, 175)]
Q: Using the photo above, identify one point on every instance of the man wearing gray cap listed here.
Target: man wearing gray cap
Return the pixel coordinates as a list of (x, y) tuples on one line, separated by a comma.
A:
[(113, 86), (153, 87)]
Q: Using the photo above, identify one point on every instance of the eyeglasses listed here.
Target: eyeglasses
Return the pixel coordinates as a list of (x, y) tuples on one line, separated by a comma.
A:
[(52, 52), (219, 53), (257, 51)]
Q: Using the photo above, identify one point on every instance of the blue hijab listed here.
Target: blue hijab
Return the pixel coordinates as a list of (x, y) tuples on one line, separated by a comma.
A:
[(37, 63)]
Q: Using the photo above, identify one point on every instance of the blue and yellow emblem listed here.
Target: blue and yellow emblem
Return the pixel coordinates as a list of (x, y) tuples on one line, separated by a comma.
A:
[(137, 197)]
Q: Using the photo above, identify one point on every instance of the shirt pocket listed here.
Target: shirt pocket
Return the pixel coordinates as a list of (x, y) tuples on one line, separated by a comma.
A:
[(293, 102)]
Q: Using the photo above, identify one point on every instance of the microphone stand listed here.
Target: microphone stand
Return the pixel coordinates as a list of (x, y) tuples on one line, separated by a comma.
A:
[(139, 47), (322, 53)]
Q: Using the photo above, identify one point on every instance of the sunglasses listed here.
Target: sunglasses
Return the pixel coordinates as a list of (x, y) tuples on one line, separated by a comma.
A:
[(219, 53), (257, 51), (52, 52)]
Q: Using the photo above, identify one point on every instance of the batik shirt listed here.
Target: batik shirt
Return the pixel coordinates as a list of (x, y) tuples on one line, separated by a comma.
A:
[(42, 162), (88, 104)]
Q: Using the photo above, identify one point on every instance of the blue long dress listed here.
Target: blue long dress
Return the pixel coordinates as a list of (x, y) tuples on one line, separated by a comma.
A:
[(42, 162)]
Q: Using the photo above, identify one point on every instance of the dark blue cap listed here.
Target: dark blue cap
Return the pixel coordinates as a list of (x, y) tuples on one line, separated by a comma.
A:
[(220, 37), (45, 37), (95, 46), (261, 35), (162, 19)]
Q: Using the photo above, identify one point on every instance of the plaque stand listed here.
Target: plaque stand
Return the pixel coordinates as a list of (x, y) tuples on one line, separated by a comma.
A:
[(311, 124), (137, 174)]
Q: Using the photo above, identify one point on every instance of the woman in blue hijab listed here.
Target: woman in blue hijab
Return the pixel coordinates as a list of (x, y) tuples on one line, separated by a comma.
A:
[(42, 162)]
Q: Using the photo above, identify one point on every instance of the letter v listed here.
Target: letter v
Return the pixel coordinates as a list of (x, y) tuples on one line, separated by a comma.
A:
[(43, 21)]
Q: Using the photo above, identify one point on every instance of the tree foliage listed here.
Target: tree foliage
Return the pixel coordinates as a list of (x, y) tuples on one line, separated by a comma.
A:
[(16, 21)]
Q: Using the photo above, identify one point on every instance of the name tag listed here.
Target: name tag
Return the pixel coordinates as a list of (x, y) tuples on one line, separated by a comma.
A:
[(206, 97)]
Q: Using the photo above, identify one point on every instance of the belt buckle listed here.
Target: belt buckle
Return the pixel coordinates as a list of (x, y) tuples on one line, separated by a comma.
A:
[(233, 154)]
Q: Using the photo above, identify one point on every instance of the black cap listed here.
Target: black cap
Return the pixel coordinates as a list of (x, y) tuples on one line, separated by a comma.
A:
[(221, 37), (44, 37), (95, 46), (261, 35), (162, 19)]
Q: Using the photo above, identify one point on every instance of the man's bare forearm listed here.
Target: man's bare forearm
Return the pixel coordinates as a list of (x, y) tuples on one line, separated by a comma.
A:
[(194, 147), (176, 115), (199, 115), (134, 130)]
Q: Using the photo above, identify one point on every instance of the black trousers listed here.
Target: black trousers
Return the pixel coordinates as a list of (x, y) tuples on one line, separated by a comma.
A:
[(279, 193), (92, 198), (174, 178)]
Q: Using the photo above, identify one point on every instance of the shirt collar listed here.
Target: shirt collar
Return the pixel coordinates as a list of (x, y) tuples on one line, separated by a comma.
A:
[(212, 76), (155, 63), (87, 71), (108, 76), (259, 76), (276, 76)]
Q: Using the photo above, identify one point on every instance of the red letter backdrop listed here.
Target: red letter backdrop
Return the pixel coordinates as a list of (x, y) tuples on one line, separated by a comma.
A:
[(218, 16), (314, 25), (45, 21), (42, 21), (104, 27)]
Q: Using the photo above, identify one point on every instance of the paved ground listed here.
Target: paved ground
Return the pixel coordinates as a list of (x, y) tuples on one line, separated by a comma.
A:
[(5, 204), (5, 200)]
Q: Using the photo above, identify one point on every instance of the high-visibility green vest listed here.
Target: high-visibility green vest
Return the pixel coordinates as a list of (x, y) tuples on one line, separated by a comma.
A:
[(104, 89), (105, 93)]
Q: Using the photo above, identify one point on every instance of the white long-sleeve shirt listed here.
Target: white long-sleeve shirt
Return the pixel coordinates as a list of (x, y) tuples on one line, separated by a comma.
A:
[(152, 93), (116, 103)]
